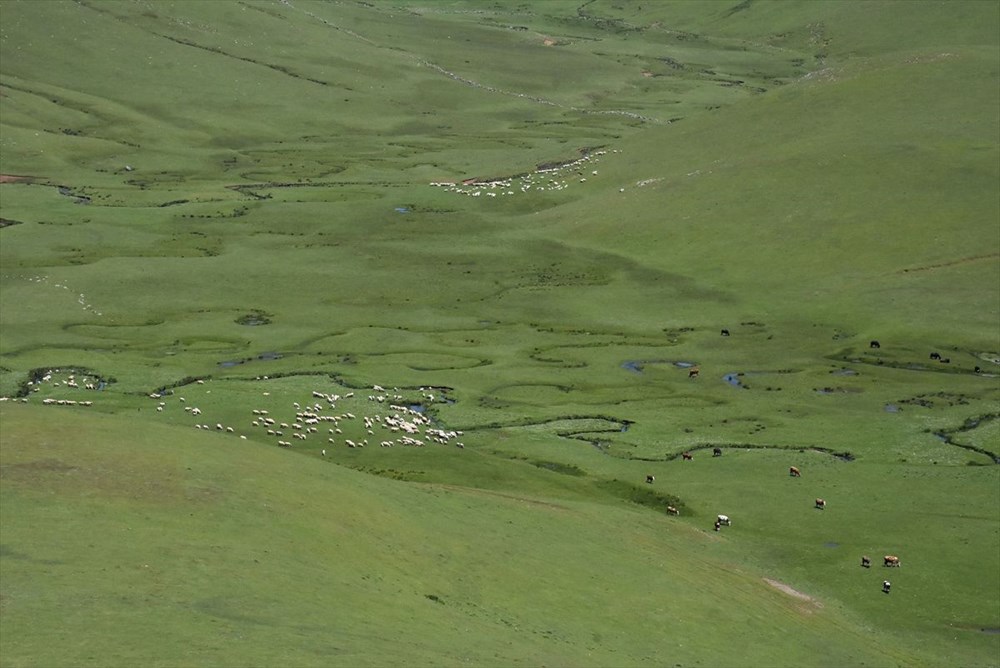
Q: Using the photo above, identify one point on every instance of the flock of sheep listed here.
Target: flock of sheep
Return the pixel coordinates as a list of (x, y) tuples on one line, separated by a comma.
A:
[(542, 179), (81, 299), (393, 424), (396, 420), (85, 382)]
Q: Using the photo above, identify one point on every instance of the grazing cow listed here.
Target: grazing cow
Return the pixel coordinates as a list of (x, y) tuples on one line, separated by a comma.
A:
[(650, 479), (945, 360), (672, 511), (935, 356), (717, 452), (866, 562), (977, 370), (820, 504), (686, 456), (874, 344), (718, 525), (890, 561), (693, 372), (886, 586), (724, 520), (724, 332), (794, 472)]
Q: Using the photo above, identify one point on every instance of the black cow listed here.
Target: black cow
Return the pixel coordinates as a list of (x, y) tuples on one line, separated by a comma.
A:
[(874, 344), (717, 452), (650, 479), (724, 332), (866, 562), (935, 356)]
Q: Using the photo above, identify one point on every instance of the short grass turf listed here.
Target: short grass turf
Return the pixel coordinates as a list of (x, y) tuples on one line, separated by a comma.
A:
[(809, 177)]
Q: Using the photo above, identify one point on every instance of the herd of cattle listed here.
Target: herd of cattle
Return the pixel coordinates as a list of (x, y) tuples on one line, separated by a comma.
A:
[(888, 561)]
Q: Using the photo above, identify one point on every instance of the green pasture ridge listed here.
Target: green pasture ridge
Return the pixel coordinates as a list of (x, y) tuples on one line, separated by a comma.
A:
[(566, 244)]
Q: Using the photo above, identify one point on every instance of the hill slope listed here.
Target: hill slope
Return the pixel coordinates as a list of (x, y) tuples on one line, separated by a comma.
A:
[(196, 550)]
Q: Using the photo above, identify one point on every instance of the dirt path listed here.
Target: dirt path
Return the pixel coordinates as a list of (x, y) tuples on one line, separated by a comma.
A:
[(792, 592), (14, 178)]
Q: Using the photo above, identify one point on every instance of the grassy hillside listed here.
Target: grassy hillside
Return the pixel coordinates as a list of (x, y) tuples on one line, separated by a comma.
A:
[(209, 547), (564, 244)]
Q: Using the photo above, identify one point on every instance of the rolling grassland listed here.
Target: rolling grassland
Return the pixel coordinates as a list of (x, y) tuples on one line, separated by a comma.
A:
[(343, 333)]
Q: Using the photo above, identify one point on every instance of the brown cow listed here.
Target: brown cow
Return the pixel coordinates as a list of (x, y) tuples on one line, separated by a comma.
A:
[(891, 561), (821, 504), (686, 456), (794, 472), (693, 372)]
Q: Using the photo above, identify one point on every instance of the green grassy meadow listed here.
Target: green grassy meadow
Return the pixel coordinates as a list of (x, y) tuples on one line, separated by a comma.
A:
[(345, 333)]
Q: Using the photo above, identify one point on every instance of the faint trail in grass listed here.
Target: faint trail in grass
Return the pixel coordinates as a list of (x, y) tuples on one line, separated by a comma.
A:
[(213, 49), (942, 265), (472, 83), (210, 49), (780, 586)]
